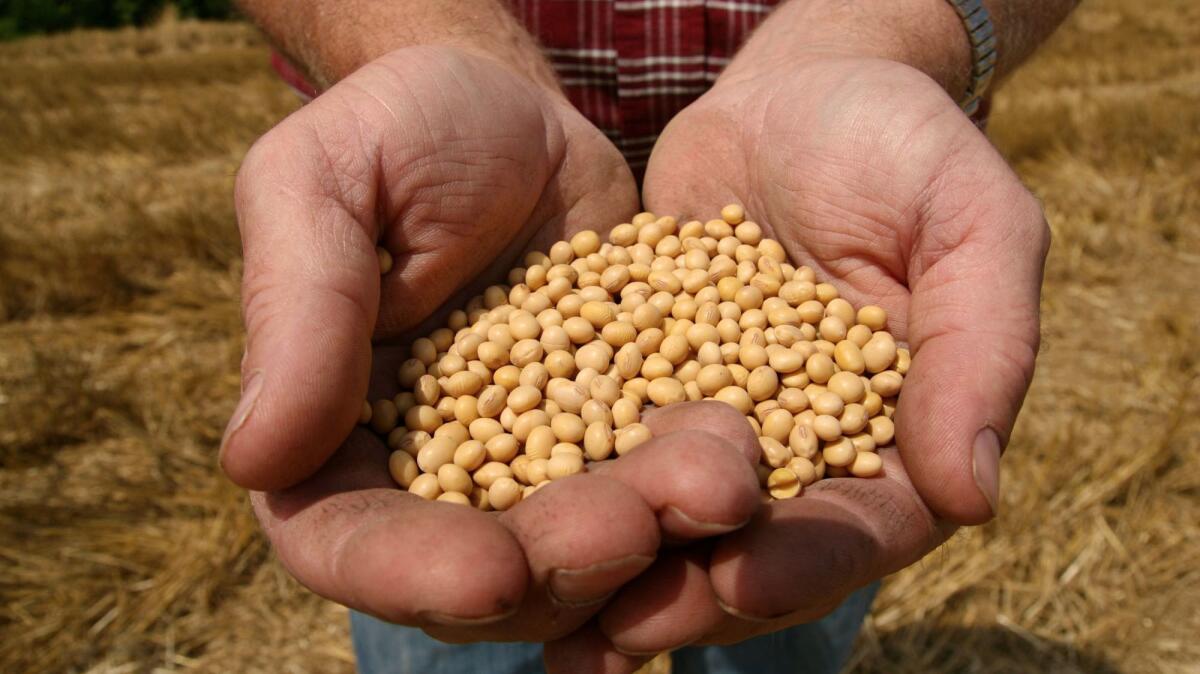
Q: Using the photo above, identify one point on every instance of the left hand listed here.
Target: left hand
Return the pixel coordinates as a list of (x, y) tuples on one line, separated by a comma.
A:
[(865, 170)]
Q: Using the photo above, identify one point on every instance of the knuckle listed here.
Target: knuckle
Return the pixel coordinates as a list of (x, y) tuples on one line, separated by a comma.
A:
[(268, 155), (248, 174), (1031, 215)]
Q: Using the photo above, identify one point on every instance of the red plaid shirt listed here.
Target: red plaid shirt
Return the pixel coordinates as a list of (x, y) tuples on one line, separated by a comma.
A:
[(628, 65)]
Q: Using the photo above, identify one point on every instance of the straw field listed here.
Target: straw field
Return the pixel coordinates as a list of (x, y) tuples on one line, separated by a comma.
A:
[(122, 549)]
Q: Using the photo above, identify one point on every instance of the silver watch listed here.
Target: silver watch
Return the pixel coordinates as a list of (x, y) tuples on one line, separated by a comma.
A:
[(982, 35)]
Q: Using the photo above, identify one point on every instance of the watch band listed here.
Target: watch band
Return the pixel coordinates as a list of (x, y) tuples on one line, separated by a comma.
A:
[(982, 35)]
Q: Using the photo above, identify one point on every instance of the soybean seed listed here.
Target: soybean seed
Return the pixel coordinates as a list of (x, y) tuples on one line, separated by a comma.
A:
[(532, 379)]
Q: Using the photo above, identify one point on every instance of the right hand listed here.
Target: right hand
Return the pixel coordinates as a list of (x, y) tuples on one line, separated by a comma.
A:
[(456, 165)]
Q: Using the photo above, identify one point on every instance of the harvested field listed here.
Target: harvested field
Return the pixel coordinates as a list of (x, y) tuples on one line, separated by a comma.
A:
[(122, 549)]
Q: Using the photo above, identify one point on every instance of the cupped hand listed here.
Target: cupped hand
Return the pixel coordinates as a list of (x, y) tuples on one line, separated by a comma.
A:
[(455, 165), (451, 162), (866, 171)]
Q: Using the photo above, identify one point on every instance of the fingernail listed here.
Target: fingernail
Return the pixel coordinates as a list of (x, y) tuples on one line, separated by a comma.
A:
[(576, 587), (448, 620), (648, 655), (251, 387), (584, 603), (740, 614), (986, 467), (705, 528)]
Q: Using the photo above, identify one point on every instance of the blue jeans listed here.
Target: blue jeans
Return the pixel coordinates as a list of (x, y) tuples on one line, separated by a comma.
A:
[(822, 647)]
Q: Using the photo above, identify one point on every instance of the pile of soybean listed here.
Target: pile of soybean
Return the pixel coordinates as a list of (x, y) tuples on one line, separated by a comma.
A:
[(533, 380)]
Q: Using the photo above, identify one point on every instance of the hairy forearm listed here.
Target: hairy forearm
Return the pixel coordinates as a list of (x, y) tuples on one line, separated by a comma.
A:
[(330, 40), (926, 34)]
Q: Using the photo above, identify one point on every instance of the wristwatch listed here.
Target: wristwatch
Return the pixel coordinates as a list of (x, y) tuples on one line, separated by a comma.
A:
[(982, 35)]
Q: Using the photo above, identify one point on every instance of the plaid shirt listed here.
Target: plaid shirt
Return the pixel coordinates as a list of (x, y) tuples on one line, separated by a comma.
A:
[(630, 65)]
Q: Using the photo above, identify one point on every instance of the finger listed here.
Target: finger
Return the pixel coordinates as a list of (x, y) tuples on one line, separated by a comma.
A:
[(805, 554), (352, 537), (583, 538), (976, 278), (708, 416), (673, 604), (588, 651), (669, 606), (310, 288), (698, 482)]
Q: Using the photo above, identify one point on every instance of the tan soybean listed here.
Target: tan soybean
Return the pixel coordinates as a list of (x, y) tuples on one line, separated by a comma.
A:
[(547, 372)]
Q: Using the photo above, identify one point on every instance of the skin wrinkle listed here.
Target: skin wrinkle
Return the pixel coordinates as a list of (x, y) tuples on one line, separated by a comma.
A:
[(810, 192), (942, 283), (947, 312), (336, 566), (354, 201), (519, 243), (444, 194), (395, 505), (276, 518), (868, 166), (435, 233), (841, 262), (427, 149), (264, 304), (322, 217), (379, 184), (473, 140), (555, 140), (954, 310), (838, 262), (864, 498), (843, 562), (972, 213)]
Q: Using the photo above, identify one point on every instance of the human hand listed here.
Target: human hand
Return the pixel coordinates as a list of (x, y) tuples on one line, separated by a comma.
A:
[(455, 165), (447, 159), (866, 171)]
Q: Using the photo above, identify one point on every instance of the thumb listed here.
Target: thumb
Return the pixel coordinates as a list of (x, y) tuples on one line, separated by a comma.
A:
[(976, 276), (310, 295)]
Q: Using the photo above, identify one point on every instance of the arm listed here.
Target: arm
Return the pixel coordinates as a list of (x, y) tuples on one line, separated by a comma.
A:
[(330, 40), (924, 34)]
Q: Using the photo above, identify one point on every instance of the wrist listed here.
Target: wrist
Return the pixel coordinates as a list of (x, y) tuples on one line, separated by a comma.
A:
[(456, 61), (329, 41), (541, 83), (529, 67), (926, 35)]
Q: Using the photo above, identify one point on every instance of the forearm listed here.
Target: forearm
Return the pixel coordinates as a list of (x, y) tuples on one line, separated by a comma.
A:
[(925, 34), (330, 40)]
